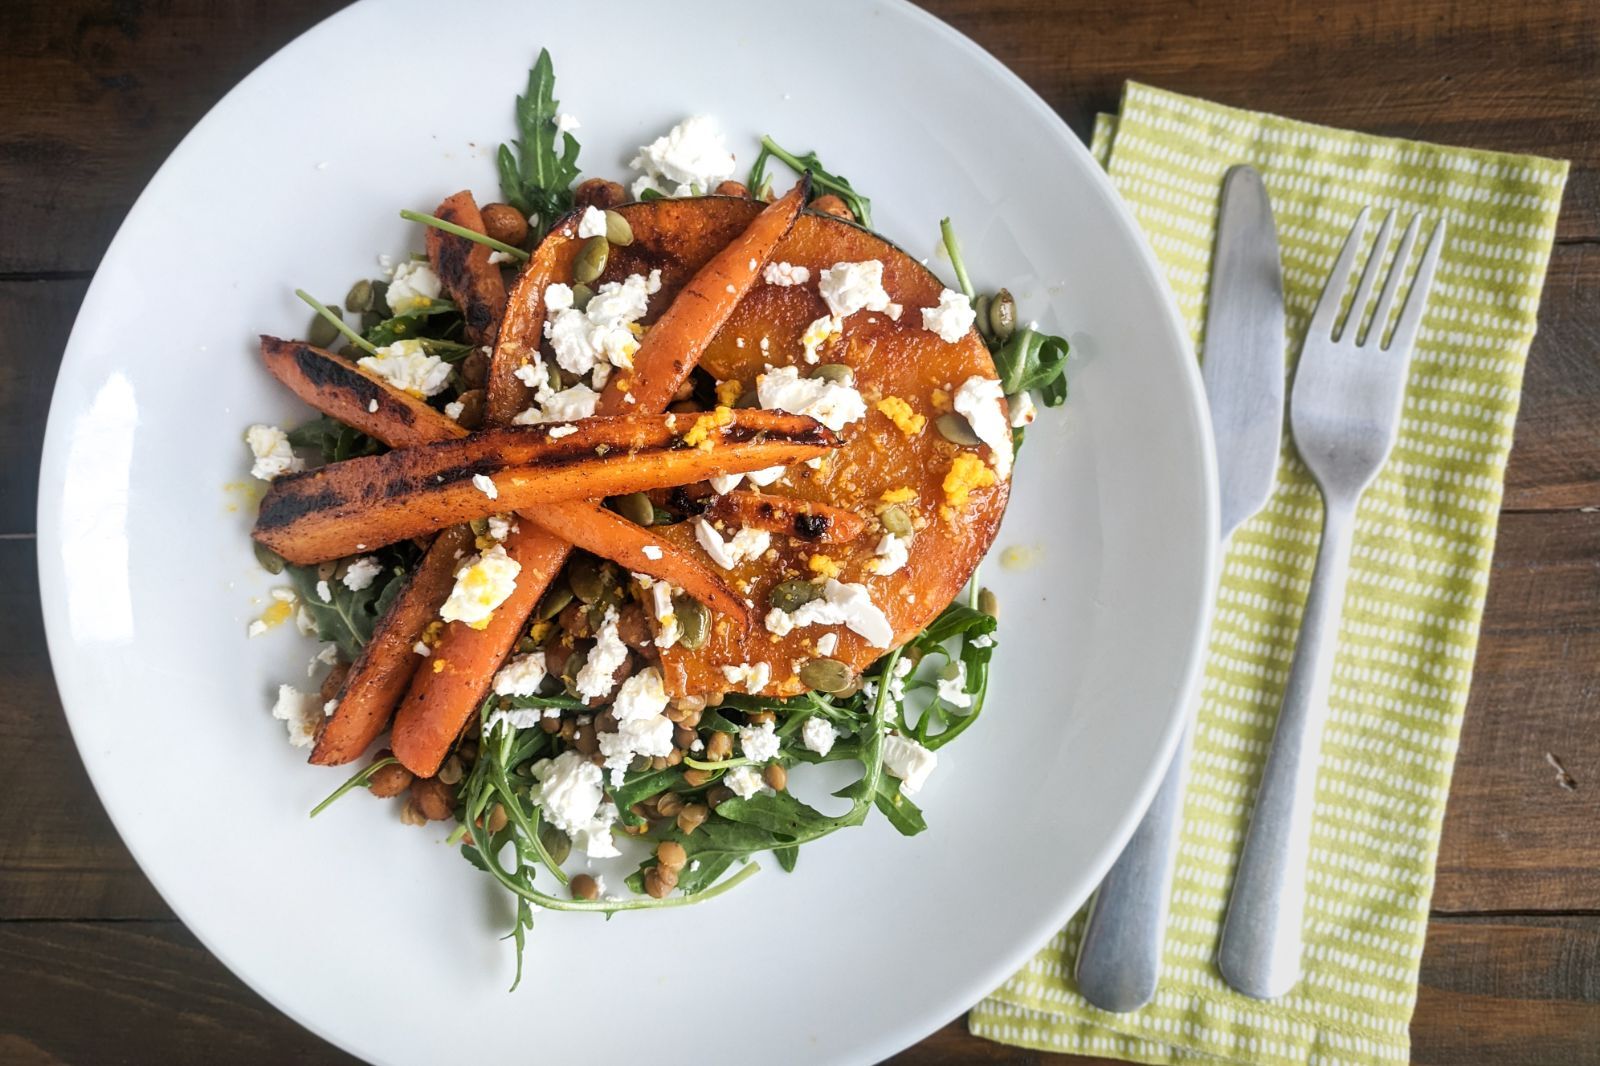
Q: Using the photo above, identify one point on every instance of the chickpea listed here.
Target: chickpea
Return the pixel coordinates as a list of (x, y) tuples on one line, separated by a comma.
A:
[(670, 853), (692, 817), (598, 192), (668, 804), (776, 777), (451, 771), (719, 747), (391, 780), (760, 717), (434, 798), (605, 722), (574, 619), (660, 881), (585, 741), (585, 887), (633, 629), (733, 188), (674, 757), (410, 814), (682, 737), (696, 778), (658, 762), (686, 705), (832, 205), (550, 725), (504, 223)]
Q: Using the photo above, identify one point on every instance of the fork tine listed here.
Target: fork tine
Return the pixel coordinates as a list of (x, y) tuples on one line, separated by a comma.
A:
[(1405, 331), (1369, 278), (1322, 319), (1380, 317)]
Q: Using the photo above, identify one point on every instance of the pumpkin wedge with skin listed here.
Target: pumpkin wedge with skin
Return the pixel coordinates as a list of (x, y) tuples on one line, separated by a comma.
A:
[(805, 520), (350, 506)]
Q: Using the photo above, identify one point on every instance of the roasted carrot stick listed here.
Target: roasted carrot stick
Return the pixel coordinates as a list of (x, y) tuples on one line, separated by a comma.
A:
[(463, 266), (809, 520), (346, 507)]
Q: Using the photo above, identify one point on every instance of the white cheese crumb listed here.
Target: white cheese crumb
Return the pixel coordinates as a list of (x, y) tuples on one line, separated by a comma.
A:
[(891, 555), (566, 405), (1023, 411), (557, 432), (569, 794), (641, 727), (482, 585), (744, 780), (652, 552), (952, 318), (256, 628), (372, 405), (421, 648), (689, 160), (329, 707), (601, 334), (759, 743), (270, 446), (982, 401), (827, 644), (818, 734), (833, 404), (909, 761), (953, 690), (453, 410), (500, 527), (851, 287), (598, 676), (566, 123), (817, 334), (667, 629), (485, 484), (414, 286), (324, 592), (592, 223), (408, 367), (840, 603), (747, 543), (300, 712), (786, 274), (521, 676), (753, 676), (361, 573)]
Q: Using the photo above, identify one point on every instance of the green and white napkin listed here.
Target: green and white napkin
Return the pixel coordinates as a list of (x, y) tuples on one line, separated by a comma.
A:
[(1419, 573)]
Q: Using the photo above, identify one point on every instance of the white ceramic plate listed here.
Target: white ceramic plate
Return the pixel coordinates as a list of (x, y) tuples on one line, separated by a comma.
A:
[(378, 936)]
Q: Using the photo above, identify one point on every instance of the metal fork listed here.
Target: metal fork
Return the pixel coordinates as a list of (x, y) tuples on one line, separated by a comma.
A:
[(1344, 413)]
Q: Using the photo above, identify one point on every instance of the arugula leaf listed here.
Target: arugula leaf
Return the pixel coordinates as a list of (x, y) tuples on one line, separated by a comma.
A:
[(348, 617), (904, 815), (534, 178), (1031, 361), (821, 179), (333, 440), (417, 322)]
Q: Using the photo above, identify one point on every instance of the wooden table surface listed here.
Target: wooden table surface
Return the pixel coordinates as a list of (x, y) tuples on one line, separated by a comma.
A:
[(94, 94)]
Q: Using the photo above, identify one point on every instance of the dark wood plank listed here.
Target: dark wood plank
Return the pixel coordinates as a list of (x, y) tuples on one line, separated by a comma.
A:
[(97, 93), (35, 318)]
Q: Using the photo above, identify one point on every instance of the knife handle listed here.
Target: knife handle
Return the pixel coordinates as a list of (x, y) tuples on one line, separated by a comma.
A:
[(1119, 959)]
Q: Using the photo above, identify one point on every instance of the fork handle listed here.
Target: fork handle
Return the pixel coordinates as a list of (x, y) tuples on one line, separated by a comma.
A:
[(1261, 944)]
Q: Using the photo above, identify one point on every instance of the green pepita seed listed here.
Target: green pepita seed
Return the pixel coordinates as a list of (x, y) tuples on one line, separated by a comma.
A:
[(897, 521), (370, 320), (591, 262), (554, 600), (988, 603), (359, 298), (583, 575), (748, 400), (790, 596), (981, 307), (555, 842), (322, 332), (380, 297), (1002, 316), (694, 622), (270, 561), (581, 295), (662, 517), (480, 526), (835, 372), (527, 646), (955, 429), (636, 508), (618, 232), (826, 675)]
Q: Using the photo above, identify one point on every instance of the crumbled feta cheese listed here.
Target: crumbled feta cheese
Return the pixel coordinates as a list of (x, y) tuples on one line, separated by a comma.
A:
[(833, 404), (324, 592), (1023, 410), (576, 402), (689, 160), (598, 676), (894, 312), (744, 780), (592, 223), (414, 286), (652, 552), (818, 734), (766, 475), (847, 604), (453, 410), (329, 707), (983, 640), (722, 484), (982, 401), (891, 554), (782, 273), (421, 648), (569, 795), (759, 743), (827, 643), (270, 446), (666, 615), (485, 484), (641, 727), (603, 333), (909, 761), (753, 676), (953, 690), (747, 543), (408, 367), (952, 318), (521, 676), (515, 718), (851, 287), (500, 527), (817, 334), (362, 573), (566, 123), (481, 586), (300, 712), (558, 432)]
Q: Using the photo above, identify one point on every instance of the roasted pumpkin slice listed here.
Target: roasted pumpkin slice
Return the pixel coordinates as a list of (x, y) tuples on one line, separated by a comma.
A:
[(948, 493)]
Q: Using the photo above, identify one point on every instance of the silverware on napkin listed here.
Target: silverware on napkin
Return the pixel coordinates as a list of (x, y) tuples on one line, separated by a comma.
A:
[(1345, 415), (1119, 960)]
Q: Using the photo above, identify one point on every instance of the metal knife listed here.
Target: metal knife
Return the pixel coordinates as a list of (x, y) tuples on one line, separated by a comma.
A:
[(1119, 960)]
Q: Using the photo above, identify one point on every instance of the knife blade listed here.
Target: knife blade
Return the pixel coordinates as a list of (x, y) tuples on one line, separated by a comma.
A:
[(1119, 958)]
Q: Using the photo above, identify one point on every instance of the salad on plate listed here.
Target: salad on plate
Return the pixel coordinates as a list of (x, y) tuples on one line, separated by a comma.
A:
[(624, 509)]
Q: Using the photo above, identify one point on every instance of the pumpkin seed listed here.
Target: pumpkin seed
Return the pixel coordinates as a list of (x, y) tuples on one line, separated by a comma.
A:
[(583, 575), (380, 296), (618, 232), (661, 517), (981, 307), (322, 332), (747, 400), (555, 842), (591, 262), (826, 675), (896, 521), (359, 298), (370, 320), (1002, 316), (957, 430), (835, 372), (789, 596), (581, 295), (988, 603), (694, 622), (480, 526), (270, 561), (554, 600), (636, 508)]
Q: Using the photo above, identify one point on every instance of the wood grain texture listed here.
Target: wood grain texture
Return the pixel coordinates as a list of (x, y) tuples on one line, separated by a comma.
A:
[(96, 93)]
